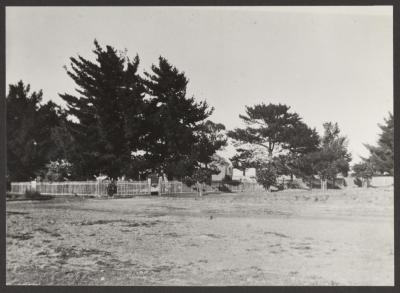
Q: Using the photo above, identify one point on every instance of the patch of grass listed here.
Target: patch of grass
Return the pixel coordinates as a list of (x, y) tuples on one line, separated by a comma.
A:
[(51, 233), (277, 234), (101, 222), (16, 213), (23, 236), (160, 269), (172, 234), (142, 224), (69, 252), (43, 230), (128, 223), (28, 195), (213, 236)]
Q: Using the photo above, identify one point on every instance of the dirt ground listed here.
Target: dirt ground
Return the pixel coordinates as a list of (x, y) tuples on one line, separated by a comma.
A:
[(285, 238)]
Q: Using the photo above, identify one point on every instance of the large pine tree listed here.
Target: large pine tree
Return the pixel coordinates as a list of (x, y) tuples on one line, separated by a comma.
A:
[(107, 124), (29, 127), (272, 134), (267, 126), (173, 119)]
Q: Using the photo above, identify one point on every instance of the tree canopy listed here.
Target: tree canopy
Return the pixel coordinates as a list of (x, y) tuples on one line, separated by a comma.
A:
[(273, 136), (30, 144), (268, 126), (332, 157), (179, 137), (125, 124), (382, 156), (109, 112)]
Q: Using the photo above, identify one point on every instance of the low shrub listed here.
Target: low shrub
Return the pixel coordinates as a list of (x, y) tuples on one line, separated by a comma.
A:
[(189, 181), (224, 188), (32, 194), (280, 186), (358, 182), (293, 184), (231, 182)]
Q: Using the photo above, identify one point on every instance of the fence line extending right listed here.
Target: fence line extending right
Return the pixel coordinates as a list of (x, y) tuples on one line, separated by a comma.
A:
[(124, 188)]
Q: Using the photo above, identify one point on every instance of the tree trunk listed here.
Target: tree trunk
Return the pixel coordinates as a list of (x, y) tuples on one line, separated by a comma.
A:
[(269, 155), (200, 189)]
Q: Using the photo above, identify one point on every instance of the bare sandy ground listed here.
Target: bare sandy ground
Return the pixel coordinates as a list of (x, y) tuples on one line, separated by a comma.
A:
[(287, 238)]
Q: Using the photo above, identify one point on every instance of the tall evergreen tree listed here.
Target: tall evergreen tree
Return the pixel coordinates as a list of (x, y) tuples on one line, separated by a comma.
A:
[(332, 157), (29, 126), (382, 155), (268, 126), (274, 129), (108, 124), (173, 119)]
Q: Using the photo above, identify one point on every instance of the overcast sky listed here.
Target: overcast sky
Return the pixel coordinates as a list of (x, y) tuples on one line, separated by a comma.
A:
[(327, 63)]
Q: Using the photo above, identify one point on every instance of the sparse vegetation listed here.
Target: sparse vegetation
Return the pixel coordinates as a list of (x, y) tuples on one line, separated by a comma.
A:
[(186, 241)]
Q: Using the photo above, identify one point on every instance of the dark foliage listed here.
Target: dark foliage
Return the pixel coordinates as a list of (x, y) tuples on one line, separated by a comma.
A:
[(30, 144), (108, 123), (282, 133), (382, 155), (267, 175), (331, 159), (179, 139)]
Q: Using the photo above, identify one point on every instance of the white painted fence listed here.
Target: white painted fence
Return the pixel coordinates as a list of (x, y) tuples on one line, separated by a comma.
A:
[(124, 188), (99, 188), (82, 188), (378, 181), (21, 187), (246, 187)]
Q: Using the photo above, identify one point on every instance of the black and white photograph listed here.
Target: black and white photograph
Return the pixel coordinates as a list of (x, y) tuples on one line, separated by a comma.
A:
[(199, 146)]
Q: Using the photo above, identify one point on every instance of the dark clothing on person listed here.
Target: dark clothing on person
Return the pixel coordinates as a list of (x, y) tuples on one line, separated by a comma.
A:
[(111, 188)]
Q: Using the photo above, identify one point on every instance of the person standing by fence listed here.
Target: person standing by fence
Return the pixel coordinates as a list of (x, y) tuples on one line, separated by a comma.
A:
[(111, 188)]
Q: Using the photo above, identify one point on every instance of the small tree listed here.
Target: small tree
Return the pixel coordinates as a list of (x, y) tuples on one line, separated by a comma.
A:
[(267, 175), (202, 176), (363, 172), (57, 171), (333, 157), (382, 155), (330, 159)]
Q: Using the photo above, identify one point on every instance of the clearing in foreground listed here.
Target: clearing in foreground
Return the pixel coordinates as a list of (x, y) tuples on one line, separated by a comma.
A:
[(288, 238)]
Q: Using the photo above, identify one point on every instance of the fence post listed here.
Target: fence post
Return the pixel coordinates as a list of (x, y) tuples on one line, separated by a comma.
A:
[(159, 186), (33, 185), (98, 188), (149, 185)]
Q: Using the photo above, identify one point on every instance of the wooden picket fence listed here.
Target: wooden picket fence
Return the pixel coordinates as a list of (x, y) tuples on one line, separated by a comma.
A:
[(124, 188), (246, 187), (99, 188), (21, 187)]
